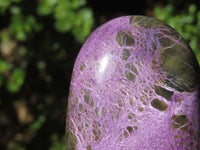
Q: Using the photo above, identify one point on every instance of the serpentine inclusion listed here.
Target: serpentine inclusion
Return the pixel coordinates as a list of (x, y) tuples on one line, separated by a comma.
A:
[(134, 87)]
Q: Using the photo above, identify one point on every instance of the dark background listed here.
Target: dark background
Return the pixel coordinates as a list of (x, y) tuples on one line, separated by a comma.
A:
[(37, 52)]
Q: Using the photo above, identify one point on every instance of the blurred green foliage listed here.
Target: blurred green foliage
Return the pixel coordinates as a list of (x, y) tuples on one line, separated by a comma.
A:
[(187, 23), (4, 4), (69, 15), (15, 146), (36, 39), (4, 66), (36, 125), (16, 80), (22, 26), (58, 144)]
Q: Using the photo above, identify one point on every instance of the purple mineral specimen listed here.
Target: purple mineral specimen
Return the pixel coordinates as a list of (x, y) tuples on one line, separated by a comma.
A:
[(134, 87)]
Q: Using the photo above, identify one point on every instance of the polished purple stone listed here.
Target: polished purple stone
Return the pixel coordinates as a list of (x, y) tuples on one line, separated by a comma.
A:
[(134, 87)]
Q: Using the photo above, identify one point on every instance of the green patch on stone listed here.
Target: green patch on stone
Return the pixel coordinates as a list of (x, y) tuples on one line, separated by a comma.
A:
[(146, 22), (130, 76), (181, 67), (131, 67), (126, 53), (135, 127), (165, 42), (79, 128), (141, 109), (173, 85), (125, 38), (174, 126), (182, 143), (131, 101), (89, 147), (71, 140), (103, 111), (158, 104), (80, 106), (82, 67), (130, 129), (91, 102), (86, 98), (97, 134), (126, 134), (164, 92), (185, 128), (131, 115), (179, 121), (173, 34), (153, 46)]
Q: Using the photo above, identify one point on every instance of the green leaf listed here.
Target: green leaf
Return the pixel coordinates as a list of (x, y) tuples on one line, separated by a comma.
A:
[(57, 144), (21, 26), (83, 24), (4, 5), (77, 3), (41, 65), (16, 80), (37, 123), (15, 146), (46, 7), (21, 36), (192, 9), (15, 10), (5, 37), (4, 66)]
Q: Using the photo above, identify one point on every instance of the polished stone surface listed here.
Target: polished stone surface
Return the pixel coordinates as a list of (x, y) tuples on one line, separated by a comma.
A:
[(134, 87)]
